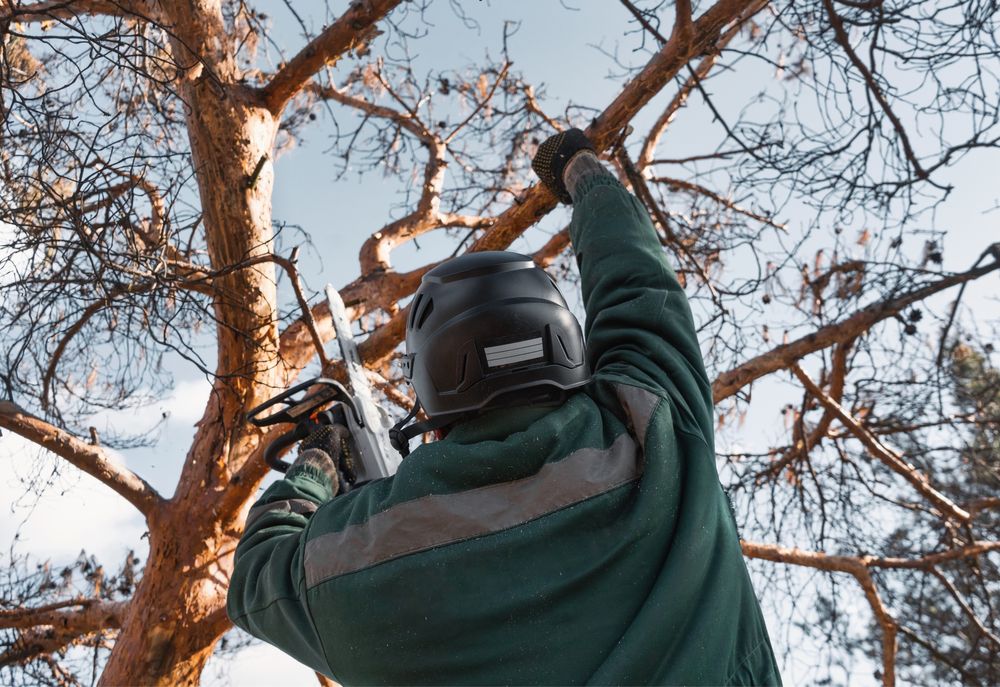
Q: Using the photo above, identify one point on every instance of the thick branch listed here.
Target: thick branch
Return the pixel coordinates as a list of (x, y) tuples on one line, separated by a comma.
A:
[(45, 630), (87, 616), (324, 681), (928, 561), (552, 249), (346, 33), (850, 564), (804, 444), (782, 357), (91, 459), (376, 249), (427, 216), (537, 201), (63, 10), (860, 567)]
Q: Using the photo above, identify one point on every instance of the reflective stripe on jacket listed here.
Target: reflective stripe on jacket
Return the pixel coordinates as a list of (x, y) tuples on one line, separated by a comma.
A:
[(588, 543)]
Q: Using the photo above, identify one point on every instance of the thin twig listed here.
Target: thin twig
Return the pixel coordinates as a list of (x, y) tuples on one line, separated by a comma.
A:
[(290, 265), (480, 106)]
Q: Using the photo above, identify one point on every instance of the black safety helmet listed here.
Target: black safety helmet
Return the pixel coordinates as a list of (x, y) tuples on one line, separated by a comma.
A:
[(489, 329)]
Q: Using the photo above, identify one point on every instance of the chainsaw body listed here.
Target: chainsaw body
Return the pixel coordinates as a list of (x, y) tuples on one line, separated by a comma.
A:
[(320, 401), (309, 406)]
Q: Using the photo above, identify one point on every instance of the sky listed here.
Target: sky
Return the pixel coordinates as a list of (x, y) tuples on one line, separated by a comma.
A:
[(565, 51)]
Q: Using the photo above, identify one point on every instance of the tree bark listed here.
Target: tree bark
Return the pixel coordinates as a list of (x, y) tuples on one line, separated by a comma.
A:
[(178, 611)]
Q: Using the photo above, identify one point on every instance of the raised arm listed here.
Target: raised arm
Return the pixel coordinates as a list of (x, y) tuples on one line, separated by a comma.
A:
[(639, 327), (267, 592)]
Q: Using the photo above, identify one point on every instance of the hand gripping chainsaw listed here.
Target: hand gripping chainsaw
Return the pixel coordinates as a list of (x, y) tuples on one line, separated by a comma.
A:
[(321, 401)]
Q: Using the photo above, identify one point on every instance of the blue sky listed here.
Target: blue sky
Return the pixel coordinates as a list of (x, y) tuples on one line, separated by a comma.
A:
[(555, 47)]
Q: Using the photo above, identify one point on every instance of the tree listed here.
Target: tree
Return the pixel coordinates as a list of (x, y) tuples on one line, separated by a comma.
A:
[(952, 611), (138, 146)]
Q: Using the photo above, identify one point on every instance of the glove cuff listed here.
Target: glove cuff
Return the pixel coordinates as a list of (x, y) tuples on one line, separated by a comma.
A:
[(320, 461), (580, 170)]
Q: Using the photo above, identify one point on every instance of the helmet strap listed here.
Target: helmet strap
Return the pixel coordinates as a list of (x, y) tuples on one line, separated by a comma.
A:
[(400, 434)]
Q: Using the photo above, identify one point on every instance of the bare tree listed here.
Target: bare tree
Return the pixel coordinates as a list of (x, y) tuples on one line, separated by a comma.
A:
[(137, 163)]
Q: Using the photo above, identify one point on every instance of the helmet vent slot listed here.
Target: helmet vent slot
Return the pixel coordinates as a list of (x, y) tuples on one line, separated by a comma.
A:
[(565, 350), (414, 308), (428, 309)]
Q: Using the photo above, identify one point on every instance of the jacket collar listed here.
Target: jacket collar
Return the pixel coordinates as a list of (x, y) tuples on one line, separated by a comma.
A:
[(496, 425)]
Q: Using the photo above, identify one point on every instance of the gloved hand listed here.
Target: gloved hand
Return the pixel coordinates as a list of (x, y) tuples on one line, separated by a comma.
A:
[(329, 450), (554, 154)]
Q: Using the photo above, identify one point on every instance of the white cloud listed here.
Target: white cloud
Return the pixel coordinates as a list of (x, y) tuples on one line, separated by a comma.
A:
[(77, 512), (74, 512), (12, 263), (188, 401), (259, 665)]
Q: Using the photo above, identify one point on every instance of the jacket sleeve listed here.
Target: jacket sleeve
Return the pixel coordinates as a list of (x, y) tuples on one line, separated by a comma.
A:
[(639, 327), (267, 592)]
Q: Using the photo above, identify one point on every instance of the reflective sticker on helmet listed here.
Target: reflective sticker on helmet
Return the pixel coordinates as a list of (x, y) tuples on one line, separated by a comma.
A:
[(517, 352)]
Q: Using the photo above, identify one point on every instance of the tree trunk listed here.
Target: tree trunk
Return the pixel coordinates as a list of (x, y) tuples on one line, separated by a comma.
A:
[(178, 611)]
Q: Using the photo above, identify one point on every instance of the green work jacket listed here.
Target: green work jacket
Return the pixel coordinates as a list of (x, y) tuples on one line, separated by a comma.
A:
[(585, 543)]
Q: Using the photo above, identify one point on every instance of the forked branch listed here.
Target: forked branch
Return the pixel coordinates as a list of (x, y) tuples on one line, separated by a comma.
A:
[(782, 357), (856, 566), (49, 629), (538, 201), (346, 33), (894, 461)]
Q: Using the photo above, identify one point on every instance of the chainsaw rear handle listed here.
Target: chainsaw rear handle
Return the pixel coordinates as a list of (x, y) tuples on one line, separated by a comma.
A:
[(336, 415), (301, 406), (279, 445), (310, 405)]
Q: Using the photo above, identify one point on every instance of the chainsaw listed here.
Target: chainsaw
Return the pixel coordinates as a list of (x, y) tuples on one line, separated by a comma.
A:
[(322, 401)]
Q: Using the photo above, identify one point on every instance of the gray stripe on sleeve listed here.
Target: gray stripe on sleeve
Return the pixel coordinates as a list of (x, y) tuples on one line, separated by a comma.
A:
[(639, 405), (440, 519)]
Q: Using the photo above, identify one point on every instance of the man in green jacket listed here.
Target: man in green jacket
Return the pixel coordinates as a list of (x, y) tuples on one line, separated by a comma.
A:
[(569, 528)]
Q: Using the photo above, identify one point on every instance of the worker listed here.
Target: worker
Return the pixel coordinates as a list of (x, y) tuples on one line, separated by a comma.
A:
[(567, 527)]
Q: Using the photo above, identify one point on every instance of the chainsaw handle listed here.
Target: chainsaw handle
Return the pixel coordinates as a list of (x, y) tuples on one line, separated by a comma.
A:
[(271, 453), (337, 415), (296, 409)]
